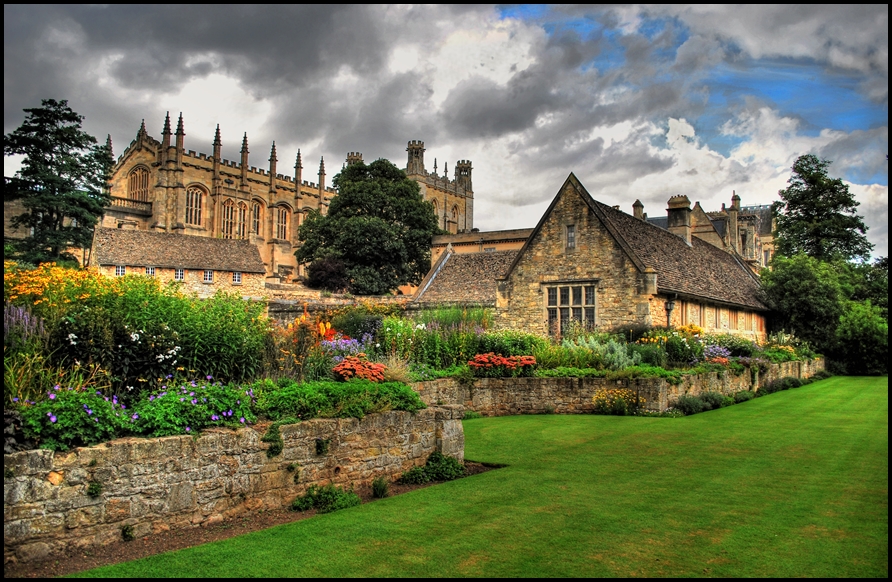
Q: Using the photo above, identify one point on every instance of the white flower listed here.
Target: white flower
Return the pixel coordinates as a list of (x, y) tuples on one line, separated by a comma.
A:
[(71, 338), (134, 337)]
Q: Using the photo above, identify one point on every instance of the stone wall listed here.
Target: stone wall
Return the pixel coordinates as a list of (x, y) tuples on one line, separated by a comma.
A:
[(510, 396), (173, 482)]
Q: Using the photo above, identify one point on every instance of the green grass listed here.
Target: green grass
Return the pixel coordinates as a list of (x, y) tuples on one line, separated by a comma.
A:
[(792, 484)]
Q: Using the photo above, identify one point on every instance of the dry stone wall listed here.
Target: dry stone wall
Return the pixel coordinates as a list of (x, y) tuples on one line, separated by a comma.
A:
[(153, 485), (509, 396)]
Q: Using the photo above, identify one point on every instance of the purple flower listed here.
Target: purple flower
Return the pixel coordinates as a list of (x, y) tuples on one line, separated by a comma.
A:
[(192, 394), (215, 417), (230, 412), (91, 412), (210, 377), (152, 397), (52, 418), (114, 399), (49, 413), (194, 401), (242, 420), (135, 416), (16, 399), (188, 429), (182, 399), (56, 387), (95, 419), (122, 406), (52, 396)]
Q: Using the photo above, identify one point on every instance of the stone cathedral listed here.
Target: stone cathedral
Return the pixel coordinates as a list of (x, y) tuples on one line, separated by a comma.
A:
[(158, 186)]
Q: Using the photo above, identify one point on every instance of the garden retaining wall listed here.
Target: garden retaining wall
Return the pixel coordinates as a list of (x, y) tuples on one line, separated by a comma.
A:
[(508, 396), (154, 485)]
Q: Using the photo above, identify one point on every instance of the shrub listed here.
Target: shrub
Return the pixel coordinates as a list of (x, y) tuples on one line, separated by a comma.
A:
[(68, 418), (336, 399), (438, 467), (326, 499), (737, 346), (689, 405), (611, 354), (328, 273), (682, 350), (358, 366), (498, 366), (650, 354), (193, 406), (380, 488), (94, 489), (617, 401), (712, 400), (471, 414), (23, 332), (743, 396)]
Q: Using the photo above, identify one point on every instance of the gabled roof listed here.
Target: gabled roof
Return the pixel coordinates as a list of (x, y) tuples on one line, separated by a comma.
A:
[(158, 249), (700, 270), (490, 236), (464, 278)]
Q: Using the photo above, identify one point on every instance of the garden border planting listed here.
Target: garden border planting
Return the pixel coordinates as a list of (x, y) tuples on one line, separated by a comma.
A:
[(510, 396), (152, 485)]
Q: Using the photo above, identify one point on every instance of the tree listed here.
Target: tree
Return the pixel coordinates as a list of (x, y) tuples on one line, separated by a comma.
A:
[(62, 184), (378, 226), (807, 297), (817, 216)]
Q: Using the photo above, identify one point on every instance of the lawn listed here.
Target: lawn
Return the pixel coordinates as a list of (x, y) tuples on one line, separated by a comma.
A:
[(792, 484)]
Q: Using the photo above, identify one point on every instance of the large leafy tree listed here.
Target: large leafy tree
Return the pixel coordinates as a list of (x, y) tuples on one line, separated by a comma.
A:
[(378, 227), (818, 215), (62, 184)]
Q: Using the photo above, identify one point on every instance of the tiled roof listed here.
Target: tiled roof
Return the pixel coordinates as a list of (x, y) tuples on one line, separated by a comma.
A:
[(486, 236), (157, 249), (465, 278), (700, 270)]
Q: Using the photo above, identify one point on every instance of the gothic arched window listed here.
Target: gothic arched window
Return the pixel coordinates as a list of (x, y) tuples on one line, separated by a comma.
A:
[(282, 223), (138, 184), (229, 219), (194, 203), (241, 226), (255, 218)]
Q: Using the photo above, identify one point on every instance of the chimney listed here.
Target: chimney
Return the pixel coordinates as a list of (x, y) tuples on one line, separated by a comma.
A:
[(638, 210), (733, 233), (680, 217)]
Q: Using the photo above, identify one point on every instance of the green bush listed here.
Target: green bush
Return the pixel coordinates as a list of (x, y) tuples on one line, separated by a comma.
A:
[(326, 499), (712, 400), (689, 405), (380, 488), (192, 406), (70, 418), (471, 414), (738, 346), (438, 467), (743, 396), (651, 355), (353, 399)]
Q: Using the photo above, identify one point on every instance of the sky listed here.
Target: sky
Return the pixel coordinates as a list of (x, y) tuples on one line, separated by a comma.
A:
[(639, 101)]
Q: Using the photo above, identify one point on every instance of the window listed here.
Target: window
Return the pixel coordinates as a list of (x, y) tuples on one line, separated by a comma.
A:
[(282, 223), (241, 226), (150, 271), (573, 302), (436, 208), (571, 236), (236, 278), (255, 218), (179, 274), (194, 197), (208, 276), (766, 258), (138, 186), (120, 270), (229, 219), (489, 249)]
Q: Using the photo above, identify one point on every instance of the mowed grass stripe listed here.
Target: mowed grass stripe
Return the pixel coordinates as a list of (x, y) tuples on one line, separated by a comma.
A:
[(793, 484)]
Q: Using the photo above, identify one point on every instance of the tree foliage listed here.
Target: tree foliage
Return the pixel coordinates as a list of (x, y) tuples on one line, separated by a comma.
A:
[(818, 215), (378, 226), (62, 184), (807, 297)]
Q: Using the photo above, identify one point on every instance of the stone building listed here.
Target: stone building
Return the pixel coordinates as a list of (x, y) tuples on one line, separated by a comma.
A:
[(592, 263), (744, 230), (458, 278), (477, 241), (202, 264), (158, 186)]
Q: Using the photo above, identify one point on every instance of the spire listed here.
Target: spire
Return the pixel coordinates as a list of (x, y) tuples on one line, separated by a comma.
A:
[(297, 164), (298, 175), (321, 165), (446, 170), (180, 125), (245, 143), (108, 144), (166, 130), (435, 166), (217, 136), (272, 154), (142, 130)]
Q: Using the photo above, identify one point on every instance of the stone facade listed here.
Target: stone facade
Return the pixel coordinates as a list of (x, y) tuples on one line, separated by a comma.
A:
[(589, 262), (453, 200), (512, 396), (176, 482), (194, 281)]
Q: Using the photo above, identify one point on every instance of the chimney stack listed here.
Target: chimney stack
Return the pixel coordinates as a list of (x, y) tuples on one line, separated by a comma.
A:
[(680, 217)]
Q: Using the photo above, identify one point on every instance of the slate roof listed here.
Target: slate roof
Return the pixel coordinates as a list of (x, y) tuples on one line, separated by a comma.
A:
[(464, 278), (158, 249), (700, 270)]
